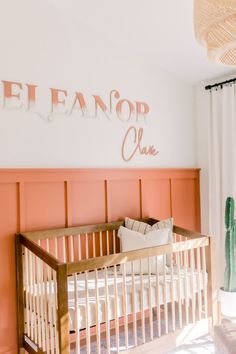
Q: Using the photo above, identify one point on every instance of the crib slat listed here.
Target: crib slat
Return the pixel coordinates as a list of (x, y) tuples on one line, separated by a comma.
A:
[(179, 290), (37, 303), (204, 280), (142, 302), (192, 263), (107, 311), (54, 311), (94, 245), (79, 247), (165, 295), (76, 314), (26, 269), (45, 304), (116, 310), (71, 240), (108, 243), (55, 247), (101, 245), (64, 249), (51, 304), (34, 299), (158, 299), (125, 307), (26, 288), (186, 299), (49, 300), (31, 297), (181, 255), (88, 344), (172, 293), (42, 305), (86, 246), (199, 293), (134, 305), (98, 334), (150, 299), (114, 241)]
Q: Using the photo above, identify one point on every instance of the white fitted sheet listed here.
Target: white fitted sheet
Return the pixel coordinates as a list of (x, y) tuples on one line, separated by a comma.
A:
[(191, 284)]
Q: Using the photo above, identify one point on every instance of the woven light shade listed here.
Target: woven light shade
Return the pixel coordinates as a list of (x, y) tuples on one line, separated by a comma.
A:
[(215, 27)]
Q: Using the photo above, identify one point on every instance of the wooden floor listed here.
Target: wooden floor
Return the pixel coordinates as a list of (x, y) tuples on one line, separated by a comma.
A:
[(194, 338), (201, 345)]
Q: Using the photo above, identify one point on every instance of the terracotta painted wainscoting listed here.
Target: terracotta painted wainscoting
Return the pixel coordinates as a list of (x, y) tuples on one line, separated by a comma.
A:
[(32, 199)]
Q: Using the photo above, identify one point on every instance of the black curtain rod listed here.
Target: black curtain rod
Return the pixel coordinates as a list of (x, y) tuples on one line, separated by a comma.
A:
[(209, 87)]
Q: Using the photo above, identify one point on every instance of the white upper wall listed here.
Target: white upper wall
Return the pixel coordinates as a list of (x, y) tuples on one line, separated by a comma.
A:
[(145, 50), (52, 45)]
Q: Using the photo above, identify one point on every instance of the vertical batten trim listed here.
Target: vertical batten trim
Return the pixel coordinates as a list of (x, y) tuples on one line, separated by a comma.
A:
[(198, 202), (21, 201), (140, 199), (106, 200), (67, 195)]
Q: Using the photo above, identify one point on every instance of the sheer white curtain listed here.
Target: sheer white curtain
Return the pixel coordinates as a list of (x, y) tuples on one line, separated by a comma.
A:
[(222, 165)]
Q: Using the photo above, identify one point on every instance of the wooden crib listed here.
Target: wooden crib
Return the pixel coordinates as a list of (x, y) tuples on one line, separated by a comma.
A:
[(74, 295)]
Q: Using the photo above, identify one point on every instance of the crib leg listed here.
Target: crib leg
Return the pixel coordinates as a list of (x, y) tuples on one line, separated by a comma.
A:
[(63, 315)]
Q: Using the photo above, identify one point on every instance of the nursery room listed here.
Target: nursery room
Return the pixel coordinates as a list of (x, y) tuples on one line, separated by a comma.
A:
[(117, 176)]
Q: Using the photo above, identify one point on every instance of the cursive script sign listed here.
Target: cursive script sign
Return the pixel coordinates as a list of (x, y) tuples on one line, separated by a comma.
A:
[(133, 141)]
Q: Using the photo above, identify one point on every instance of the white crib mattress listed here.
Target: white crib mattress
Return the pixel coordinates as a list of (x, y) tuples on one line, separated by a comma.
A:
[(192, 284)]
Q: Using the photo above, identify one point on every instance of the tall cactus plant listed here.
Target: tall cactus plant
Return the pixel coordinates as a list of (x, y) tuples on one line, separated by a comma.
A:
[(230, 246)]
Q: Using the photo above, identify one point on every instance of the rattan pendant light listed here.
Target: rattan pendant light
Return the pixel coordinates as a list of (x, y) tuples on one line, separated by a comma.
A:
[(215, 27)]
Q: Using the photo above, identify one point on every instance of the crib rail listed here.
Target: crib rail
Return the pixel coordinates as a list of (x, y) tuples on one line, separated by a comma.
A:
[(151, 303), (119, 258), (76, 243), (117, 300), (76, 230)]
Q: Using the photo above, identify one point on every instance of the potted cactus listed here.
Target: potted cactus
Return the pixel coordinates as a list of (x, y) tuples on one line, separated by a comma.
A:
[(227, 294)]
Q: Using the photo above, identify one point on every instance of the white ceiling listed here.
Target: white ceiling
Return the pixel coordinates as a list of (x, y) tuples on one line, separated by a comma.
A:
[(158, 31)]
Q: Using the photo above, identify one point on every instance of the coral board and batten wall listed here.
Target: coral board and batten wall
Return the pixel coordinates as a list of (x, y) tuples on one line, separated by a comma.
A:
[(33, 199)]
